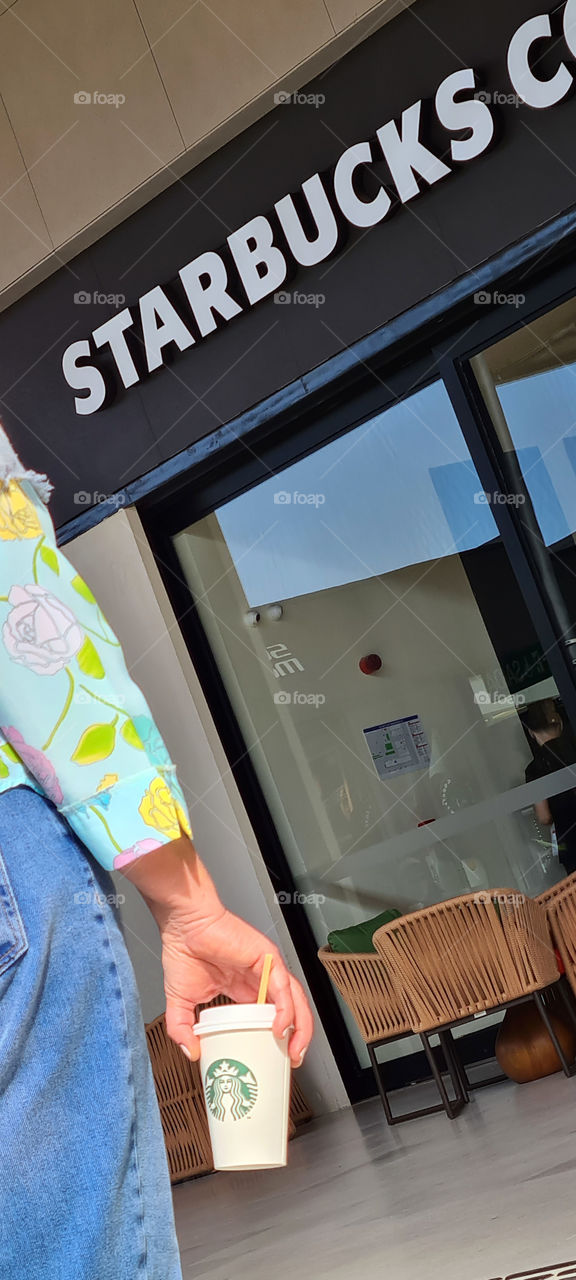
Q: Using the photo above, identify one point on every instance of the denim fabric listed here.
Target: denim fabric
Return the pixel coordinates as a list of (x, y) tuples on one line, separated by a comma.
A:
[(84, 1186)]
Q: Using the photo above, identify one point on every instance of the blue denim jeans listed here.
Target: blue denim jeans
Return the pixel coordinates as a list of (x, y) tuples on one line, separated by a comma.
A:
[(84, 1186)]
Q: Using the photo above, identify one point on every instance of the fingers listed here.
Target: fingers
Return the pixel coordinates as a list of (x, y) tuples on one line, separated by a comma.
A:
[(303, 1023), (179, 1026), (292, 1010), (280, 994)]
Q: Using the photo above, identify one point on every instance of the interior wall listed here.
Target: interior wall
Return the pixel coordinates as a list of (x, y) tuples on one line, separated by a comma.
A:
[(318, 776), (116, 561), (344, 830)]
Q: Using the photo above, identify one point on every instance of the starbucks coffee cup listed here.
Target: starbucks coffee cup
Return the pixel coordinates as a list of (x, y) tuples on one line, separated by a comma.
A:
[(246, 1080)]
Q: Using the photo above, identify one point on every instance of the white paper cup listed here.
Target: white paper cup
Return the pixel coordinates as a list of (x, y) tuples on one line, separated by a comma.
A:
[(246, 1080)]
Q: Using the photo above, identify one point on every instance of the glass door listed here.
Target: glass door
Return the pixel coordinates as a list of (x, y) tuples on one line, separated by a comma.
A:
[(528, 384), (386, 673)]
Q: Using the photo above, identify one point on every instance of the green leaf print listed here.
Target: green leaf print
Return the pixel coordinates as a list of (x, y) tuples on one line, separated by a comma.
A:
[(11, 753), (97, 743), (131, 736), (82, 588), (4, 770), (88, 660), (48, 555), (64, 711)]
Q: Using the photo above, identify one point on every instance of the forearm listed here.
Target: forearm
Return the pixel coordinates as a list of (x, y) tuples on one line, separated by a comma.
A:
[(173, 878), (543, 814)]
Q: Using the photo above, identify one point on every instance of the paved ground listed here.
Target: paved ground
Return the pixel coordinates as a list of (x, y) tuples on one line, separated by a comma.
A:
[(490, 1194)]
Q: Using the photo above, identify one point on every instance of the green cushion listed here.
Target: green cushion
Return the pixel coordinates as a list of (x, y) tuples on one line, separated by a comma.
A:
[(358, 937)]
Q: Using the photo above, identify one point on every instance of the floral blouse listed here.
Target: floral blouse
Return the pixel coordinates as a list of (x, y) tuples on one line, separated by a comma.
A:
[(73, 724)]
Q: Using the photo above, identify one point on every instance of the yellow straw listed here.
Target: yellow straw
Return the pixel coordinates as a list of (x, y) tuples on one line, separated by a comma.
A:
[(263, 988)]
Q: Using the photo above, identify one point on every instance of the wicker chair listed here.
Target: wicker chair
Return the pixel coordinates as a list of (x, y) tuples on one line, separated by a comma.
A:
[(476, 953), (544, 899), (559, 903), (365, 984), (181, 1103)]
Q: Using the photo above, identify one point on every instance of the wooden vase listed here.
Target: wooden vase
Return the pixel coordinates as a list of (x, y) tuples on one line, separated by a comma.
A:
[(524, 1048)]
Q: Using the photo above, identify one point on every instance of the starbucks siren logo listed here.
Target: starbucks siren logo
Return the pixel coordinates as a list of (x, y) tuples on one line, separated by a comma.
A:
[(231, 1089)]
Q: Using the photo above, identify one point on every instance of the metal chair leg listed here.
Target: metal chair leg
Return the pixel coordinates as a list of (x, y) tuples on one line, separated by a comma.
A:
[(377, 1069), (455, 1067), (469, 1086), (452, 1108), (568, 1068), (568, 999)]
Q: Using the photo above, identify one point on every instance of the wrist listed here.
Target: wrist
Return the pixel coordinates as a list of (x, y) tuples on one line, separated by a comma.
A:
[(174, 882)]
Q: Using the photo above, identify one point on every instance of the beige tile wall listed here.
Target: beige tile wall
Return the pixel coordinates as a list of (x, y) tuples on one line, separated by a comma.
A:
[(346, 12), (184, 76), (216, 57), (24, 236)]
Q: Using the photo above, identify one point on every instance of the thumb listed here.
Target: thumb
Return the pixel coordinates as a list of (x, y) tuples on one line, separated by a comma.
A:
[(179, 1026)]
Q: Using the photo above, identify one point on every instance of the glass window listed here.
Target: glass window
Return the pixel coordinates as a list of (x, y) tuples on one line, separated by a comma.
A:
[(400, 490), (529, 383), (380, 660)]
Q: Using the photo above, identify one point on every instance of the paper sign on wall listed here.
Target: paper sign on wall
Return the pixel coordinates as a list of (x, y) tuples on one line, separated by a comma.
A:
[(398, 746)]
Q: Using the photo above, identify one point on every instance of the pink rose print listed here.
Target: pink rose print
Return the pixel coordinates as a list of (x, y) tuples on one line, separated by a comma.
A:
[(40, 632), (135, 851), (36, 762)]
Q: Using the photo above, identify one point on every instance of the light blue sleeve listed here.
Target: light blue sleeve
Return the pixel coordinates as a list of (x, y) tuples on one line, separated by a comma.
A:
[(69, 711)]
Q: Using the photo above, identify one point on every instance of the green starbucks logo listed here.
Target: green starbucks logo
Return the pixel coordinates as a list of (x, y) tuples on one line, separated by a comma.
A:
[(231, 1089)]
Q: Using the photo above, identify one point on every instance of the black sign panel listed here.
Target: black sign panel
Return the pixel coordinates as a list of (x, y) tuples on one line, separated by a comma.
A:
[(518, 174)]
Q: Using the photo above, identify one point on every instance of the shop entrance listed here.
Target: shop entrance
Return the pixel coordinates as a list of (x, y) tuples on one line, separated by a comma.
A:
[(408, 723)]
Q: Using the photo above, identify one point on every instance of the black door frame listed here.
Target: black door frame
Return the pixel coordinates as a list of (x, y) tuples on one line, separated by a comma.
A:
[(333, 409), (454, 358), (220, 478)]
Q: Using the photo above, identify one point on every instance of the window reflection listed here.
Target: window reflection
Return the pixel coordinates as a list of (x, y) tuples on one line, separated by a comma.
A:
[(401, 559)]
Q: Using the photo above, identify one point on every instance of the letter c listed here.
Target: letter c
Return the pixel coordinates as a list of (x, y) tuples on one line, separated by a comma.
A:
[(569, 23), (361, 213), (534, 92)]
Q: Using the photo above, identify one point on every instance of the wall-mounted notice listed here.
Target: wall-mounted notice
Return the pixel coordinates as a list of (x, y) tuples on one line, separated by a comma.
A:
[(398, 746)]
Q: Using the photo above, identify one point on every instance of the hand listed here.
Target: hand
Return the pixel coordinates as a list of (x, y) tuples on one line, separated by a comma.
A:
[(207, 951), (224, 956)]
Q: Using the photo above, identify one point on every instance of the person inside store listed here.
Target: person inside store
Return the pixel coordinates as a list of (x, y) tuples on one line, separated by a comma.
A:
[(87, 785), (553, 747)]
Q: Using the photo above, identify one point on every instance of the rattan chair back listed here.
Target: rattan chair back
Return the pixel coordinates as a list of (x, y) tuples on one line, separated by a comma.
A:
[(364, 982), (560, 906), (182, 1111), (549, 896), (467, 955)]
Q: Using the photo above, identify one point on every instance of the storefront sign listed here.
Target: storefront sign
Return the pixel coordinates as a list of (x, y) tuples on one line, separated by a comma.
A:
[(305, 229)]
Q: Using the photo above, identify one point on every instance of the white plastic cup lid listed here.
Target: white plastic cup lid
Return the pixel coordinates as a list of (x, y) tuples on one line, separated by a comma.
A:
[(235, 1017)]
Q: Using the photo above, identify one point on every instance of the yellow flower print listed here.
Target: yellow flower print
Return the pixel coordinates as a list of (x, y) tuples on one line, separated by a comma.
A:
[(18, 516), (109, 780), (159, 809), (182, 819)]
